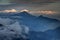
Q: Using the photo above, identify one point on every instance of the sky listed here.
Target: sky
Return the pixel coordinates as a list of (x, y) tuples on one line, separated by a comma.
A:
[(33, 5)]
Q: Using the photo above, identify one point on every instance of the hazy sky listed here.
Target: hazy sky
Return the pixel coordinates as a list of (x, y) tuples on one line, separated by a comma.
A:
[(33, 5), (30, 4)]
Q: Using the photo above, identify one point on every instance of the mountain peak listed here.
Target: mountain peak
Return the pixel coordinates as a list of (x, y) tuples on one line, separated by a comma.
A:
[(41, 16), (47, 18), (24, 12)]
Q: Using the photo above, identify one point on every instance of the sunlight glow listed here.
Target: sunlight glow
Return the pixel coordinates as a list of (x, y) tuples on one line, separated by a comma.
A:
[(24, 10), (47, 12), (12, 10), (31, 11), (43, 12)]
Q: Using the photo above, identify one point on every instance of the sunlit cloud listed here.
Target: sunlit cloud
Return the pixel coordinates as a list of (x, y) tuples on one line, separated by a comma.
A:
[(24, 10), (47, 12), (30, 11), (12, 10), (43, 12)]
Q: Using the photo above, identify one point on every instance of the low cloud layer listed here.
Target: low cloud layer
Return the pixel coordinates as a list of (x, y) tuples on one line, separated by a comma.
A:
[(10, 30)]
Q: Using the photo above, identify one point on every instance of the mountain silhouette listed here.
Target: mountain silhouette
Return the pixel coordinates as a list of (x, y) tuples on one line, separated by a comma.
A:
[(41, 28), (39, 23), (24, 13)]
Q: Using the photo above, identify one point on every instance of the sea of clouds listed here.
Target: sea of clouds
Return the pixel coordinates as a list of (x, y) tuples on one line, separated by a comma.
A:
[(10, 29)]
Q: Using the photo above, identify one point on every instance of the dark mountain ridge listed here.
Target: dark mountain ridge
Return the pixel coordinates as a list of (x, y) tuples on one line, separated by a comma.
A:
[(49, 26), (34, 23)]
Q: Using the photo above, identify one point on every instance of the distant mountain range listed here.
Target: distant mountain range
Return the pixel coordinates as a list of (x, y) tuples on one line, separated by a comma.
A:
[(41, 28), (40, 23)]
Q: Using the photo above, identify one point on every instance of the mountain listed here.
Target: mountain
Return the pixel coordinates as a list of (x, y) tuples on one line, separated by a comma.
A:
[(40, 28), (16, 15), (45, 22), (40, 23), (24, 15)]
